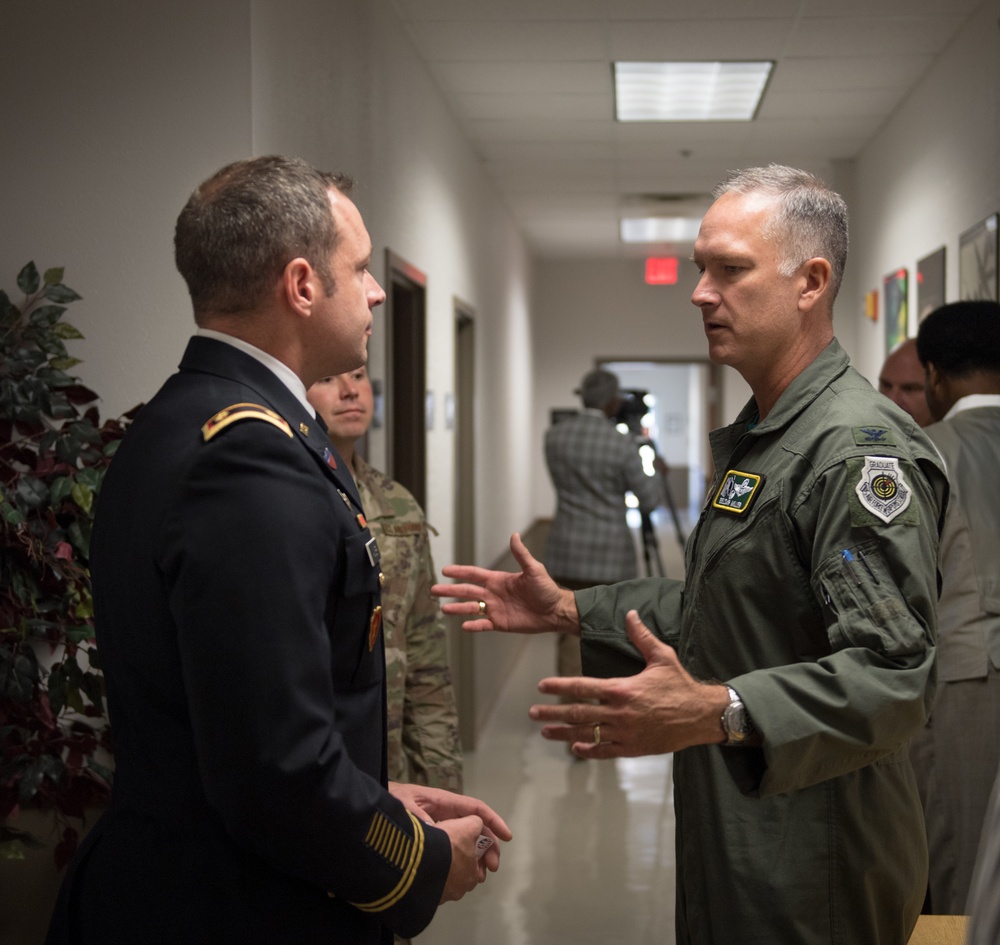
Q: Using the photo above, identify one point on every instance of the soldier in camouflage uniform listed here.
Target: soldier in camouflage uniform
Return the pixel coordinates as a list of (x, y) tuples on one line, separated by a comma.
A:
[(422, 719)]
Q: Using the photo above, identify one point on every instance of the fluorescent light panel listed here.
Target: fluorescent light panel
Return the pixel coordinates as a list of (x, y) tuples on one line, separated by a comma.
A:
[(660, 229), (689, 91)]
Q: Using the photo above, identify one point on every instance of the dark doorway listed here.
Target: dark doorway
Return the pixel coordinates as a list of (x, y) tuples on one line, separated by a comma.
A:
[(406, 368), (462, 652)]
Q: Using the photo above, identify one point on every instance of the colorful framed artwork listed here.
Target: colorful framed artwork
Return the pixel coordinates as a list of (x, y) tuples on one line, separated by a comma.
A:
[(897, 316), (977, 261), (930, 283)]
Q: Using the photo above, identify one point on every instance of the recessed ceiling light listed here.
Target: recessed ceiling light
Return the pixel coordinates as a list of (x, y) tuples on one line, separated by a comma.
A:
[(689, 91), (660, 229)]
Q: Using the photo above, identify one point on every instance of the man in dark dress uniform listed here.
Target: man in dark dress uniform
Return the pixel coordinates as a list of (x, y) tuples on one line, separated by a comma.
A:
[(236, 588)]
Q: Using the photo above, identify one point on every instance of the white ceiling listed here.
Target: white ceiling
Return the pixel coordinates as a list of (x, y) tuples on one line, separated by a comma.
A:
[(530, 83)]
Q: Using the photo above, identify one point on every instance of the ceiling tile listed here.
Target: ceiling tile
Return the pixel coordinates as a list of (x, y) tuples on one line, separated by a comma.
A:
[(824, 104), (849, 36), (735, 40), (509, 107), (517, 78), (871, 72), (519, 41)]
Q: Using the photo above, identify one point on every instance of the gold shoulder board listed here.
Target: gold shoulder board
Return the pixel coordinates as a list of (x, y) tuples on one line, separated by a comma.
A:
[(238, 412)]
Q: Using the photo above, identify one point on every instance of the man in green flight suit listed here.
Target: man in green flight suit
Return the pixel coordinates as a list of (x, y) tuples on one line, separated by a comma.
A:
[(791, 667)]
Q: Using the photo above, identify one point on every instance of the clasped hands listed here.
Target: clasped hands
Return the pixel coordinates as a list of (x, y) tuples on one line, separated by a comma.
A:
[(660, 709), (464, 819)]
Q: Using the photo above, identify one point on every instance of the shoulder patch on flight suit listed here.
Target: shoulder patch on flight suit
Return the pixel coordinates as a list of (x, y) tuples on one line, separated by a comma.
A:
[(237, 412), (403, 852), (880, 490), (737, 491), (873, 435)]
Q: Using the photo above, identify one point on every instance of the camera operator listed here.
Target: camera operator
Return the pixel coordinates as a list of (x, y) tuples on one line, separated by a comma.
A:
[(592, 466), (630, 414)]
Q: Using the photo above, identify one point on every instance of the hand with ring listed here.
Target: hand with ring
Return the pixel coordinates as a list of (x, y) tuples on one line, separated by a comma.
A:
[(525, 601), (660, 709)]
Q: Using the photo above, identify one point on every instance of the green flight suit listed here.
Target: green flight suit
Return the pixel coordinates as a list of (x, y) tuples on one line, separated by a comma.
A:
[(817, 835)]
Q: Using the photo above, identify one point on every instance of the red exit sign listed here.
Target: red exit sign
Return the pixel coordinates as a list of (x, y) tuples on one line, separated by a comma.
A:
[(661, 270)]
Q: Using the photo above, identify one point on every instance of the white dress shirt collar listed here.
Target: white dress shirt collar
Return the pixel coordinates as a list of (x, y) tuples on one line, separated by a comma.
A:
[(971, 402), (283, 372)]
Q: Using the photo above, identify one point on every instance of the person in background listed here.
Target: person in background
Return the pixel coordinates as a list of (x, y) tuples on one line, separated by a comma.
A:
[(957, 755), (424, 745), (902, 381), (237, 613), (592, 465), (790, 669), (984, 895)]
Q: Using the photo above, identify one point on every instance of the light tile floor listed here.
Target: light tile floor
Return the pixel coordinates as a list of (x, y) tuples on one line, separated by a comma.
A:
[(592, 859)]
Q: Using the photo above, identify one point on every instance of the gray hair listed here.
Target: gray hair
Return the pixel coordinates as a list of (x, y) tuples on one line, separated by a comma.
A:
[(243, 225), (810, 219)]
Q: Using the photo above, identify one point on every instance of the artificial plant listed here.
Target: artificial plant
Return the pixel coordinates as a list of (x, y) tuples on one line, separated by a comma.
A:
[(54, 452)]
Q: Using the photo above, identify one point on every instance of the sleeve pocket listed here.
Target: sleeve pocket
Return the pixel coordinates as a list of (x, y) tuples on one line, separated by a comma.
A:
[(868, 609)]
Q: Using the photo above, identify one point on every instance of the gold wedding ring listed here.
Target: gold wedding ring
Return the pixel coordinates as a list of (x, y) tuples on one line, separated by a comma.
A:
[(482, 608), (597, 733)]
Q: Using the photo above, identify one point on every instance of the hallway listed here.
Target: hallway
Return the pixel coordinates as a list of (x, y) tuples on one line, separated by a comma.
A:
[(592, 859)]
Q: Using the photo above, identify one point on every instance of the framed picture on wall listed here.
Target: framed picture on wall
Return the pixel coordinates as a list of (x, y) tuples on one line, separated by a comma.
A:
[(977, 261), (897, 316), (930, 283)]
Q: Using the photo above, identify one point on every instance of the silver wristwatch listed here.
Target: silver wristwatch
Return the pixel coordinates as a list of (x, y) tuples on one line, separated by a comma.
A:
[(736, 722)]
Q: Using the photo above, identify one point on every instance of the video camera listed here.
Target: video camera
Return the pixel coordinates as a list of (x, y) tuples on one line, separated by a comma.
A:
[(633, 408)]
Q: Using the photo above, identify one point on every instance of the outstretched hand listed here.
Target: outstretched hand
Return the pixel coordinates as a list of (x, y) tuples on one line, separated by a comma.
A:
[(661, 709), (525, 601)]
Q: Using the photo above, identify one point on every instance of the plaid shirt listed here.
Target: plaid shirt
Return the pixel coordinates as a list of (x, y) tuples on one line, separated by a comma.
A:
[(592, 465)]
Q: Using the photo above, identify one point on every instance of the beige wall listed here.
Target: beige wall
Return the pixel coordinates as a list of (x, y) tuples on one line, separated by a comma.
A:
[(931, 172), (110, 119), (113, 112)]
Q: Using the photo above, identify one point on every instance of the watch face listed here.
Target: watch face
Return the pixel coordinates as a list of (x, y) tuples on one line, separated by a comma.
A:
[(736, 721)]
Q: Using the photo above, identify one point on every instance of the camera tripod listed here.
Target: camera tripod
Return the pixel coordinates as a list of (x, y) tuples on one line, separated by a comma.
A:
[(650, 543)]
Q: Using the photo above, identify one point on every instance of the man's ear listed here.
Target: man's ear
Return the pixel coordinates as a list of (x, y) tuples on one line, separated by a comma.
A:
[(933, 378), (299, 285), (817, 275)]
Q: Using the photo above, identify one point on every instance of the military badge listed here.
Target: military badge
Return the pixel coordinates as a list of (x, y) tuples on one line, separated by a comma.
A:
[(330, 459), (882, 489), (737, 491), (374, 625), (873, 436)]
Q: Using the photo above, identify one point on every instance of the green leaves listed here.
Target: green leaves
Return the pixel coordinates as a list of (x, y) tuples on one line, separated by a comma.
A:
[(54, 453), (28, 280)]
